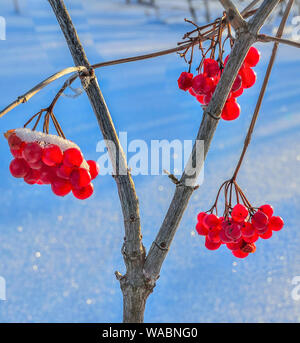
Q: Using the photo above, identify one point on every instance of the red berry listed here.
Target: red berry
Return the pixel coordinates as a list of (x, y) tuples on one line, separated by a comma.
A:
[(14, 141), (224, 238), (64, 172), (267, 210), (237, 84), (207, 98), (267, 234), (211, 222), (192, 92), (32, 152), (19, 168), (201, 230), (17, 152), (83, 193), (201, 216), (47, 175), (202, 85), (252, 57), (80, 178), (52, 155), (259, 220), (237, 93), (231, 110), (239, 213), (233, 230), (248, 230), (214, 236), (211, 245), (211, 67), (235, 245), (200, 98), (73, 158), (240, 254), (94, 168), (32, 177), (248, 77), (37, 165), (276, 223), (61, 187), (185, 81), (251, 239)]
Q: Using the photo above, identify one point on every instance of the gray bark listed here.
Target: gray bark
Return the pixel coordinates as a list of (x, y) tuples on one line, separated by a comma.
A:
[(141, 271)]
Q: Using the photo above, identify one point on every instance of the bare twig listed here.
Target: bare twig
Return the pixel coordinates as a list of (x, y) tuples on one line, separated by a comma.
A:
[(264, 87), (265, 39)]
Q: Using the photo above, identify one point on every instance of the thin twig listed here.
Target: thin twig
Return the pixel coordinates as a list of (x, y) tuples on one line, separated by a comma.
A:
[(265, 39)]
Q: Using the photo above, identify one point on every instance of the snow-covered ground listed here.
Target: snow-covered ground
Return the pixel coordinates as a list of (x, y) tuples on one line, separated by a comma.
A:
[(58, 256)]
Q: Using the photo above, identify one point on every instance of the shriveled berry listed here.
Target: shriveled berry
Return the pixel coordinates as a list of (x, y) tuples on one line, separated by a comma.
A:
[(267, 209), (80, 178), (239, 213), (19, 168), (252, 57), (231, 110), (32, 152), (185, 81), (248, 77), (276, 223), (248, 248), (52, 155), (61, 187), (73, 158), (259, 220), (83, 193), (94, 168), (211, 245)]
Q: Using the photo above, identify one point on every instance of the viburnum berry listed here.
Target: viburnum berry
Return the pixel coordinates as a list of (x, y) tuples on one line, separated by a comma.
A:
[(47, 175), (267, 210), (238, 93), (248, 248), (276, 223), (32, 152), (259, 220), (210, 67), (64, 172), (211, 245), (37, 165), (248, 77), (224, 238), (231, 110), (14, 141), (251, 239), (185, 81), (233, 230), (80, 178), (17, 152), (201, 230), (52, 155), (61, 187), (72, 158), (32, 177), (211, 222), (239, 213), (201, 216), (214, 236), (94, 168), (252, 57), (235, 245), (267, 234), (248, 230), (192, 92), (202, 84), (83, 193), (19, 168), (237, 84), (239, 253), (200, 98)]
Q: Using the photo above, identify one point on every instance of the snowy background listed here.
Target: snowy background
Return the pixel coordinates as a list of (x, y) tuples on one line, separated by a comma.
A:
[(58, 256)]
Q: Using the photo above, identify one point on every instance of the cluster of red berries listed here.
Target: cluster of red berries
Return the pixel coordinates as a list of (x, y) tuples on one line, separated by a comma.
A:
[(240, 230), (203, 85), (60, 165)]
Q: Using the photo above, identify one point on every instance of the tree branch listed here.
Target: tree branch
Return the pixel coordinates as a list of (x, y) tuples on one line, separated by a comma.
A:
[(133, 249), (156, 256), (234, 15), (266, 39)]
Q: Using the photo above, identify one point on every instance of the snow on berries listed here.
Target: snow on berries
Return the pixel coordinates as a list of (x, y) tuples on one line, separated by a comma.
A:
[(203, 85), (240, 226), (44, 159)]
